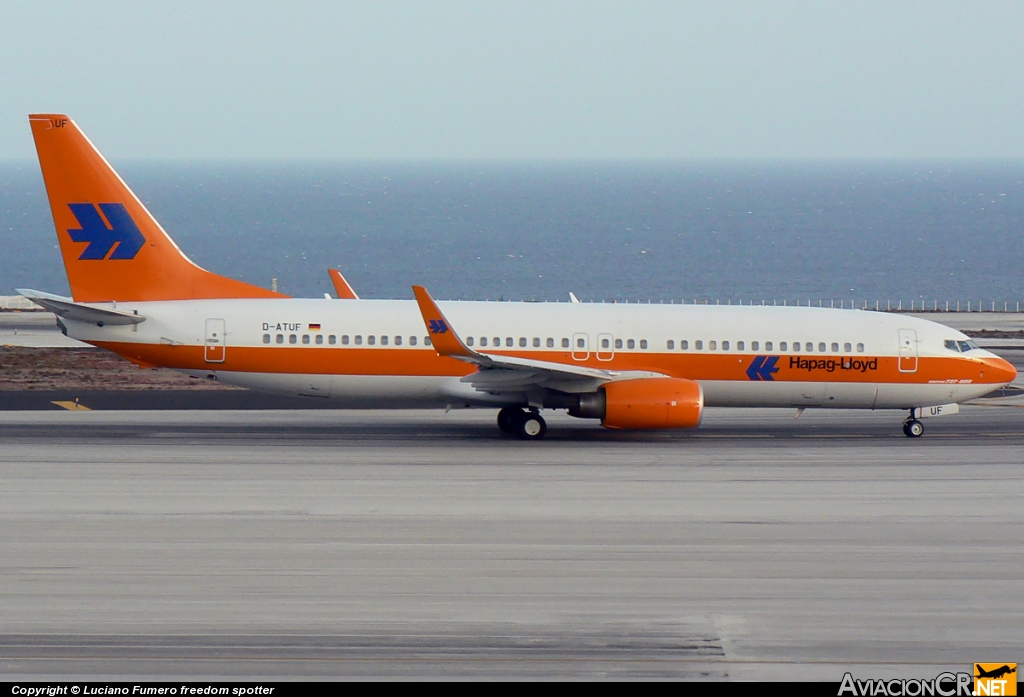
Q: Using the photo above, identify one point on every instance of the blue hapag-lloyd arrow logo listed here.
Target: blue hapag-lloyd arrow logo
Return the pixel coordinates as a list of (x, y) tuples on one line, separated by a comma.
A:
[(437, 326), (762, 368), (122, 231)]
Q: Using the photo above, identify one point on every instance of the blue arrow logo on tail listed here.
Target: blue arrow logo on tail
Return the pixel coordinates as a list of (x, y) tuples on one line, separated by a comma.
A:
[(762, 368), (437, 326), (122, 231)]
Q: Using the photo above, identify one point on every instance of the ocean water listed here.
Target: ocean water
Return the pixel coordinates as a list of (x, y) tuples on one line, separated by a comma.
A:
[(733, 232)]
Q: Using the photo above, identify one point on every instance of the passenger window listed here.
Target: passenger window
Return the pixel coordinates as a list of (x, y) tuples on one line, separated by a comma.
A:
[(509, 341), (860, 348), (630, 344), (384, 340), (809, 347), (699, 345), (292, 339), (606, 343), (305, 338), (483, 341), (497, 342), (835, 347), (725, 345), (371, 340), (398, 341), (848, 347), (550, 342), (522, 341), (643, 343), (344, 339), (536, 342), (413, 340), (565, 342), (580, 343), (684, 344), (712, 345), (469, 341), (319, 338), (266, 338), (618, 343), (739, 345), (796, 346), (951, 345), (668, 344), (768, 346), (754, 346), (426, 341), (280, 338), (821, 347), (359, 340)]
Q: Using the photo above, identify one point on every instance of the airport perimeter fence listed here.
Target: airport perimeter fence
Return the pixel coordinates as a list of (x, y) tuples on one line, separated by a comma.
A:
[(18, 303), (876, 305)]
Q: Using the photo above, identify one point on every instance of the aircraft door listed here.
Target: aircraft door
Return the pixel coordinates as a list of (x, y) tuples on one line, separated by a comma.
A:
[(605, 347), (908, 351), (580, 347), (215, 345)]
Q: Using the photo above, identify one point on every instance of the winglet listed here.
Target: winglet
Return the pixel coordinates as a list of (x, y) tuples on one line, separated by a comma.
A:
[(442, 335), (341, 286)]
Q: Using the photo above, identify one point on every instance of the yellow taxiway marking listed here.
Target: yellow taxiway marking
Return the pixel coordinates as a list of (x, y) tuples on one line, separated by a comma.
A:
[(72, 406)]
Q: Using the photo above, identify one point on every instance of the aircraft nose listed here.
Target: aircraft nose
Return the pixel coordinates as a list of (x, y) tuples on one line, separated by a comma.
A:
[(998, 371)]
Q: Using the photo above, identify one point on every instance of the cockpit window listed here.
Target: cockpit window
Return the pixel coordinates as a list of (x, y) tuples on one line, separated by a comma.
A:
[(961, 346)]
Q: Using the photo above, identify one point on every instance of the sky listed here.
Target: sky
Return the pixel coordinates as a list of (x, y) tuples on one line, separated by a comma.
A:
[(519, 80)]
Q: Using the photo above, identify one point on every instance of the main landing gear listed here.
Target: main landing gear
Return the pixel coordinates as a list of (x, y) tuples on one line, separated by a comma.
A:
[(528, 425), (912, 428)]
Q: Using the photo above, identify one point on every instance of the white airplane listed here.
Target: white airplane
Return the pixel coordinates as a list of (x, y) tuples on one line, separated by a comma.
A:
[(630, 366)]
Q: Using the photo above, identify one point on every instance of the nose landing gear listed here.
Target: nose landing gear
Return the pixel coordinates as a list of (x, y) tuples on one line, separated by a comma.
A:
[(912, 428), (528, 425)]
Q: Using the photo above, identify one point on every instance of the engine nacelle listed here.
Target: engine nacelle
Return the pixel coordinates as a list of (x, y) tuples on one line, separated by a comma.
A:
[(652, 403)]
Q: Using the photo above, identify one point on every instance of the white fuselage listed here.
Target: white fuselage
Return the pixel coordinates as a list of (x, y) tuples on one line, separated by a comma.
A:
[(375, 353)]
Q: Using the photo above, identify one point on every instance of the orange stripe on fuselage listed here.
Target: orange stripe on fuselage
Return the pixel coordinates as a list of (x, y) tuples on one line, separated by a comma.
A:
[(419, 362)]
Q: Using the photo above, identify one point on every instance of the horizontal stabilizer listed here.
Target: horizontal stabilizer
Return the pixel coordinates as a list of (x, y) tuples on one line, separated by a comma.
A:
[(69, 309)]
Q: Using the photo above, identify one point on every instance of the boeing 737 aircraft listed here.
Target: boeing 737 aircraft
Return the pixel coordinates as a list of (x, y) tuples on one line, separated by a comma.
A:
[(630, 366)]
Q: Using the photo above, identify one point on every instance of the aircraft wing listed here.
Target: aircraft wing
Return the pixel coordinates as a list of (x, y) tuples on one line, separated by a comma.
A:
[(498, 374)]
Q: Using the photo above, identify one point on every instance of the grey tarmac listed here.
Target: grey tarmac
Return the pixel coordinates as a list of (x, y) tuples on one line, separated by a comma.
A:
[(278, 544)]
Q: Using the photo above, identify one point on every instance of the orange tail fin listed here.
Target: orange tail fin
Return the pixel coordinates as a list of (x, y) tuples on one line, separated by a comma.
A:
[(113, 248)]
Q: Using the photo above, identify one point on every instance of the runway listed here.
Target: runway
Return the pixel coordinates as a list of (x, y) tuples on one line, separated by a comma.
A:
[(418, 544)]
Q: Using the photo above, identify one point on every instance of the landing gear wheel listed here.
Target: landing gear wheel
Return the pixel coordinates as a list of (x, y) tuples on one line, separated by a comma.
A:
[(507, 419), (531, 426), (913, 428)]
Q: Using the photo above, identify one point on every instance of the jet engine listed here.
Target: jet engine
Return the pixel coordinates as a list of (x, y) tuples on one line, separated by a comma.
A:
[(646, 403)]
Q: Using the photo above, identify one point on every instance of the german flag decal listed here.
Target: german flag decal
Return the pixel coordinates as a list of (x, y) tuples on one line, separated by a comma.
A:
[(314, 327)]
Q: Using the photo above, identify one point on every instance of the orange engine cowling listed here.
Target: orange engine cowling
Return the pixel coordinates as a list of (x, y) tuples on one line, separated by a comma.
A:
[(653, 403)]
